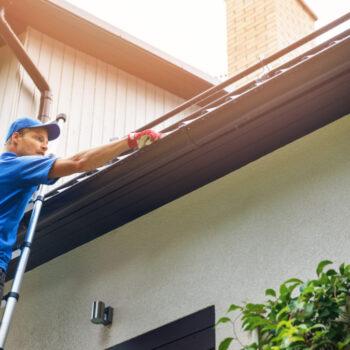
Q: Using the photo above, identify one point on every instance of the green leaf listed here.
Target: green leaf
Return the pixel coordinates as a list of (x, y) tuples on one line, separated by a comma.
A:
[(251, 347), (331, 272), (322, 265), (225, 343), (317, 326), (293, 280), (255, 307), (268, 328), (308, 310), (282, 312), (287, 341), (286, 324), (234, 307), (308, 289), (343, 344), (223, 320), (252, 322), (270, 292), (283, 289)]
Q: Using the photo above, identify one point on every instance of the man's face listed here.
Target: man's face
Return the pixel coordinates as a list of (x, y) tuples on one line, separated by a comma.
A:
[(30, 142)]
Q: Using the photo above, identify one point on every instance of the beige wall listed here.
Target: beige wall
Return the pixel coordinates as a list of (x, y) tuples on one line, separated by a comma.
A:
[(9, 88), (293, 22), (224, 243), (257, 29)]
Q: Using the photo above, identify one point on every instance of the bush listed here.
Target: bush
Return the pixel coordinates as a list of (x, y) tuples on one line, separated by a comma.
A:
[(301, 315)]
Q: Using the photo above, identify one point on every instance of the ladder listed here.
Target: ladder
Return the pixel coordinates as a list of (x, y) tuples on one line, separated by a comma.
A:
[(13, 296)]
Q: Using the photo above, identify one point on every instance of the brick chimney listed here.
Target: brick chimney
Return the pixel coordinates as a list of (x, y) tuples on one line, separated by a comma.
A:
[(258, 28)]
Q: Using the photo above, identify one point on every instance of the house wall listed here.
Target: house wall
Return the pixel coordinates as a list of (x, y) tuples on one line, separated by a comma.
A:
[(224, 243), (9, 87), (257, 29), (100, 100)]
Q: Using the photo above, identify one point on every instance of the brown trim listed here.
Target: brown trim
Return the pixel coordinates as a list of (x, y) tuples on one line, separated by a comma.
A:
[(308, 10), (11, 39), (214, 92), (17, 26), (308, 95), (193, 332), (88, 34), (81, 15)]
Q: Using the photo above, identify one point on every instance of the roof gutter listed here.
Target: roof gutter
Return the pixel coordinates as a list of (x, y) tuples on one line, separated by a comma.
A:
[(214, 95), (302, 96), (17, 47)]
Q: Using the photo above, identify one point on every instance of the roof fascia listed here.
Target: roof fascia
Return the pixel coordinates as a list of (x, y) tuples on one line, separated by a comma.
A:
[(82, 31), (265, 118)]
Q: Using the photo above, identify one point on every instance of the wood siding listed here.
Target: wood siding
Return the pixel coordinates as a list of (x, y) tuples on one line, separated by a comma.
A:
[(100, 100), (9, 87)]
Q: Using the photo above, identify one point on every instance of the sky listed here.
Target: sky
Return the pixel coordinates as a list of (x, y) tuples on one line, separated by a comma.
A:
[(193, 31)]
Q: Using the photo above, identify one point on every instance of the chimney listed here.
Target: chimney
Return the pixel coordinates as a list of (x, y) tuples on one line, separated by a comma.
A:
[(258, 28)]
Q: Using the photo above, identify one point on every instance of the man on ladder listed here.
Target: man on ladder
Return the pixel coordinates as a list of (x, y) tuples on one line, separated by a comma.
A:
[(24, 166)]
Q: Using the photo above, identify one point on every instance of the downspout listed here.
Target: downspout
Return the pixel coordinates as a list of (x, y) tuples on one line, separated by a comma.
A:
[(17, 47)]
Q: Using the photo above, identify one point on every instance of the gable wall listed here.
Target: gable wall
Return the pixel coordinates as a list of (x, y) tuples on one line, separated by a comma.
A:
[(9, 87), (100, 100)]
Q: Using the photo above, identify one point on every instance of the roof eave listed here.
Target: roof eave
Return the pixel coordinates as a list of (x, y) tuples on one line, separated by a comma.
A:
[(263, 119), (78, 29)]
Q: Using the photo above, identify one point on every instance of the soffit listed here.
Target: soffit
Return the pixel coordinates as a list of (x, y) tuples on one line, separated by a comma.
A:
[(88, 34)]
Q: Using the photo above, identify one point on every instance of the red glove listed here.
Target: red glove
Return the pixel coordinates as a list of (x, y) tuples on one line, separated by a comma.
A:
[(142, 138)]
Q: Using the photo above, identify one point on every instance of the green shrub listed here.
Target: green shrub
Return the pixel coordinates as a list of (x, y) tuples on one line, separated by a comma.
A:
[(301, 315)]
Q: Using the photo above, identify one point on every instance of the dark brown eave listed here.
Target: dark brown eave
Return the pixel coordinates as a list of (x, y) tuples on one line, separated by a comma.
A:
[(290, 105), (80, 30)]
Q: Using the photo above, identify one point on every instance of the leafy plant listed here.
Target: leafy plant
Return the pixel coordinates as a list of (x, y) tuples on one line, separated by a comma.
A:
[(312, 315)]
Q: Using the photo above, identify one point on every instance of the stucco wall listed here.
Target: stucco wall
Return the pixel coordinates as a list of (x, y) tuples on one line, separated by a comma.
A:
[(224, 243)]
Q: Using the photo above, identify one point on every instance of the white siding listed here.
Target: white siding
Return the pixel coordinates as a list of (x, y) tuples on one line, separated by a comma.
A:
[(100, 100), (9, 86)]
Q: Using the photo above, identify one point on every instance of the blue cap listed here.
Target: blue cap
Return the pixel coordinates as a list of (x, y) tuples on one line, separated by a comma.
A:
[(53, 129)]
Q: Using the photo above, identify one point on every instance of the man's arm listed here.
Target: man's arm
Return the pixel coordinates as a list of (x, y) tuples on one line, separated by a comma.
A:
[(89, 159), (98, 156)]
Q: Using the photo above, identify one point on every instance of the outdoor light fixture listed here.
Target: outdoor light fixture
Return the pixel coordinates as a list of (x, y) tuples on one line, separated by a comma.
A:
[(101, 314)]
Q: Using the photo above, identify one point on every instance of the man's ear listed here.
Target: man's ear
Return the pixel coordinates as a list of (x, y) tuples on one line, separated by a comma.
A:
[(14, 137)]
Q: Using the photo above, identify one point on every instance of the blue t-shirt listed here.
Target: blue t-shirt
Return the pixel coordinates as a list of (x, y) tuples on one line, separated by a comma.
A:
[(19, 179)]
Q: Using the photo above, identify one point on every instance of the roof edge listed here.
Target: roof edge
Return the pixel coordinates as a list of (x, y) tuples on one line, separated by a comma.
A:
[(117, 32)]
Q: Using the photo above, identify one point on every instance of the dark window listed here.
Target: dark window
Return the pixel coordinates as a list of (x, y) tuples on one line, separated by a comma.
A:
[(193, 332)]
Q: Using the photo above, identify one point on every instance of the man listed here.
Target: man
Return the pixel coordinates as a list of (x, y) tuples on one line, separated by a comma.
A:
[(24, 166)]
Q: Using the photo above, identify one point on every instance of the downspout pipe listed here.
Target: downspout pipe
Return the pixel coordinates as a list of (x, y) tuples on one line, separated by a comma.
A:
[(17, 47)]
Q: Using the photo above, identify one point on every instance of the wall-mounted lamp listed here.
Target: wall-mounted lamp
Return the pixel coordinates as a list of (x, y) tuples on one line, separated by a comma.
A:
[(101, 314)]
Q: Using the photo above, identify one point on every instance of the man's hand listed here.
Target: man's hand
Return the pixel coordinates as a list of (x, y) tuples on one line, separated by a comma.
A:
[(98, 156), (143, 138)]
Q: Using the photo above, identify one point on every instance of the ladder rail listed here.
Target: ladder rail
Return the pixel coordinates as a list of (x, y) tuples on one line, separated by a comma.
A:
[(13, 295)]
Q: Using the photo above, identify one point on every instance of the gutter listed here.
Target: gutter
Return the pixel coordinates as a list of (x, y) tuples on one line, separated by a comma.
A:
[(294, 99), (304, 98), (214, 95), (191, 138), (17, 47)]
